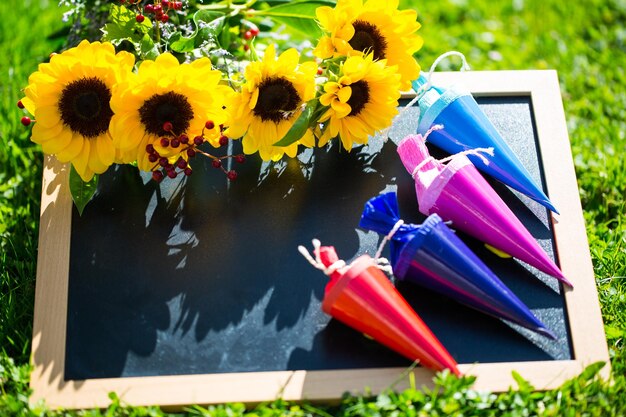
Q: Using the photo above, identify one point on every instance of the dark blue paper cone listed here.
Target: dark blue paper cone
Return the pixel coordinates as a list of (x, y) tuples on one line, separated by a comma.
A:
[(431, 255), (467, 127)]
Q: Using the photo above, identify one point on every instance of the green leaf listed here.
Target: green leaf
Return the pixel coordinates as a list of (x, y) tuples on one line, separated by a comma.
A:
[(299, 127), (179, 43), (524, 385), (613, 332), (122, 25), (147, 48), (299, 15), (81, 191), (208, 24)]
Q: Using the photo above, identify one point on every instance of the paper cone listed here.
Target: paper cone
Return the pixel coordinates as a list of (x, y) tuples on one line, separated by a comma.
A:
[(458, 193), (431, 255), (363, 298), (467, 127)]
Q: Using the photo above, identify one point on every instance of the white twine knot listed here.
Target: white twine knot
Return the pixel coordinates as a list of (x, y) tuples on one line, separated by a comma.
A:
[(340, 265), (424, 88), (317, 261), (387, 238), (476, 151)]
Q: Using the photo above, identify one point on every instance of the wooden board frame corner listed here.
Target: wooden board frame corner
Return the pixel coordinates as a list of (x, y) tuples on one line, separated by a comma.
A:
[(583, 309)]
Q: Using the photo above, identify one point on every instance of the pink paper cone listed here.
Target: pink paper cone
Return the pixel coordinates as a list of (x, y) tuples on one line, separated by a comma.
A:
[(458, 193)]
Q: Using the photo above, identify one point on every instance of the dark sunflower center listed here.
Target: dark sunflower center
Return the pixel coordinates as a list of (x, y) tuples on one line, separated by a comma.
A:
[(277, 97), (367, 38), (359, 98), (84, 107), (169, 107)]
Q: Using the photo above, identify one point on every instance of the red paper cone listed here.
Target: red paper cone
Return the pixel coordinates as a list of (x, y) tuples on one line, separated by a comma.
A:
[(363, 298)]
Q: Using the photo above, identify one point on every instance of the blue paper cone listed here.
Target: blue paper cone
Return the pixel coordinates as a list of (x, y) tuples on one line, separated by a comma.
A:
[(431, 255), (467, 127)]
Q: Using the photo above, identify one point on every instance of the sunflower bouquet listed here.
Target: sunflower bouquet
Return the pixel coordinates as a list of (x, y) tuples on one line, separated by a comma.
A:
[(159, 82)]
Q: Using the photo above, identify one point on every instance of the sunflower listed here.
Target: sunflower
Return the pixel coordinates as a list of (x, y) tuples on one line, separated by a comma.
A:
[(270, 101), (165, 92), (69, 97), (362, 101), (377, 27)]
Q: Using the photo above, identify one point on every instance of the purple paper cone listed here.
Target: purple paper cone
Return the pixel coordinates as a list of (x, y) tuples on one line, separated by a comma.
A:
[(458, 193), (431, 255), (468, 127)]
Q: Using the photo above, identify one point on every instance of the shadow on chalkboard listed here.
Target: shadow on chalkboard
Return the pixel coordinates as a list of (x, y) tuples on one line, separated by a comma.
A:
[(145, 261), (201, 275)]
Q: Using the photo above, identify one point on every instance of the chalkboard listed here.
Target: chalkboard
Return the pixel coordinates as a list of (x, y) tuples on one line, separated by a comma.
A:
[(201, 276)]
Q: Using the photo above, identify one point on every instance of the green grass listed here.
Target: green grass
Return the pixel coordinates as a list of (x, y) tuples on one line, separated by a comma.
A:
[(584, 41)]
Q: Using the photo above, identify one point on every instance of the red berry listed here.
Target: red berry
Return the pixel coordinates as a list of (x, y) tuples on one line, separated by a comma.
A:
[(158, 8), (184, 139), (149, 8), (254, 30), (165, 142), (175, 143), (20, 104), (167, 126), (165, 18), (188, 171), (178, 5), (163, 162), (223, 140), (320, 71), (26, 120), (209, 125), (171, 173), (247, 35), (232, 175), (165, 3), (153, 157), (181, 163), (198, 140), (191, 152), (246, 47), (240, 158), (150, 148), (216, 163), (139, 18), (157, 176)]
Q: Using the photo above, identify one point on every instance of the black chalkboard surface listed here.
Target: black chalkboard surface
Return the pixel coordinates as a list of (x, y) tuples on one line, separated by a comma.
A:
[(202, 275)]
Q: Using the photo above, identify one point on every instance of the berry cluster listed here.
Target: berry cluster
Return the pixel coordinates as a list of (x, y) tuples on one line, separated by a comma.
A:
[(159, 9), (26, 121), (164, 167), (249, 34)]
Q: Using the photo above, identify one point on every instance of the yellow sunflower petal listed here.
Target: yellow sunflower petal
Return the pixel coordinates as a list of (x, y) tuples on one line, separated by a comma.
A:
[(48, 116), (344, 94), (94, 162), (41, 134), (341, 109), (106, 151), (72, 150), (58, 143)]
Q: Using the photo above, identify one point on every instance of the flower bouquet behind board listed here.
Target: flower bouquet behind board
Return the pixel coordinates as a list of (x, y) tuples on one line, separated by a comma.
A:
[(161, 78)]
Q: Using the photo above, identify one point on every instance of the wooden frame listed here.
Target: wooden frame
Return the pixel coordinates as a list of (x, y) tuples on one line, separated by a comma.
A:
[(583, 310)]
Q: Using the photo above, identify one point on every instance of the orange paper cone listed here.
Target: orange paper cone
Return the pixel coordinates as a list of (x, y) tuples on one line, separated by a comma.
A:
[(362, 297)]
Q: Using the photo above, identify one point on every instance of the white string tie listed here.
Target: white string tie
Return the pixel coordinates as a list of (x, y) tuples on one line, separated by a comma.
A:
[(476, 152), (387, 238), (340, 266), (424, 88), (317, 261)]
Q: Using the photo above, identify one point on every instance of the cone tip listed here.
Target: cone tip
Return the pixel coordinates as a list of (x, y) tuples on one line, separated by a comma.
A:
[(548, 204), (546, 332)]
